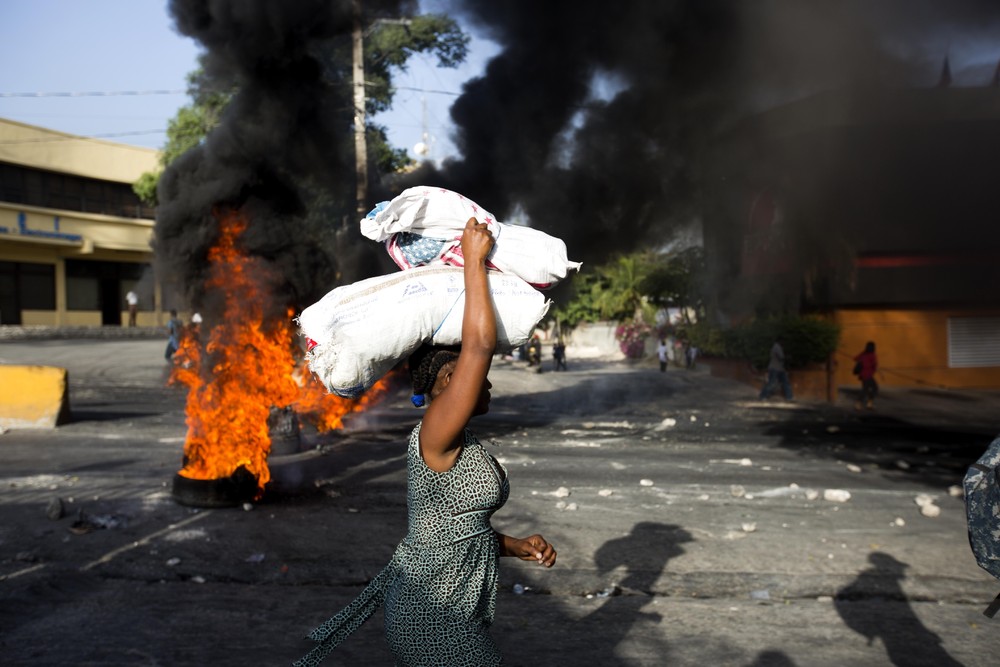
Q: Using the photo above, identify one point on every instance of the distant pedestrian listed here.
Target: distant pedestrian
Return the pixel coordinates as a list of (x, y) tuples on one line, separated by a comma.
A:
[(174, 328), (661, 352), (559, 354), (195, 326), (535, 353), (776, 373), (692, 354), (865, 365), (132, 300)]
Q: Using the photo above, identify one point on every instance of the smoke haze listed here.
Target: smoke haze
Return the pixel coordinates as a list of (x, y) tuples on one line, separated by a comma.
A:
[(606, 173), (621, 173)]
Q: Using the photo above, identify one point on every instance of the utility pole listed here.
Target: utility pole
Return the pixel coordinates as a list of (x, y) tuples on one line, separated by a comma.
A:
[(360, 141)]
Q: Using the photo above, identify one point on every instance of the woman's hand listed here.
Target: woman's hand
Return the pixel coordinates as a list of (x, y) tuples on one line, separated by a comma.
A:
[(533, 548), (477, 241)]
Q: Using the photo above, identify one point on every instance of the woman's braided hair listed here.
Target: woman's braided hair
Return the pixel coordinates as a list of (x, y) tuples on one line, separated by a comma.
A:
[(425, 364)]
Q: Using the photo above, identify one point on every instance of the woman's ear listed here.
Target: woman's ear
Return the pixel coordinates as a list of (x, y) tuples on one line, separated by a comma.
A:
[(443, 378)]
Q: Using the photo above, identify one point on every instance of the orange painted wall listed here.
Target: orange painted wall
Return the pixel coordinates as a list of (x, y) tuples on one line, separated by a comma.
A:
[(912, 348)]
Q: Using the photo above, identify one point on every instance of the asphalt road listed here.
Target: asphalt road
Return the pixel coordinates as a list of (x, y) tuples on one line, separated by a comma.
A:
[(691, 523)]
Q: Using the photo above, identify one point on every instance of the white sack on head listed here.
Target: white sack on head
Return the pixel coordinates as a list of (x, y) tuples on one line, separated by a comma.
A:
[(436, 217), (358, 332)]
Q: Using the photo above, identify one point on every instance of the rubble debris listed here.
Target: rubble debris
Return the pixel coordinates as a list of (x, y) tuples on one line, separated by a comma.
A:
[(561, 492), (902, 465), (610, 591), (669, 422), (812, 494), (749, 527), (255, 558), (852, 467), (833, 429), (955, 491), (927, 506), (85, 524), (898, 522), (836, 495), (604, 493), (108, 521), (762, 595), (55, 509), (737, 491), (645, 482), (173, 562), (780, 491)]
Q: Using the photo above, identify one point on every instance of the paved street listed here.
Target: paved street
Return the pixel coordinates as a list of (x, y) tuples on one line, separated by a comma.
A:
[(695, 525)]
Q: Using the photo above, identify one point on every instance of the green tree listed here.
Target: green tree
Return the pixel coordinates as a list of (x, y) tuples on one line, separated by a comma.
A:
[(611, 291), (675, 281), (389, 44)]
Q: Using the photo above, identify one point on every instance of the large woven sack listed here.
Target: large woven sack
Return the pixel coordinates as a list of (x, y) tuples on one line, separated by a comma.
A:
[(358, 332), (423, 226)]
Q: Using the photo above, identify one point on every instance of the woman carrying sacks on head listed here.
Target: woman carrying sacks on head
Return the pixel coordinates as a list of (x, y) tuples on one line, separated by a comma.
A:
[(439, 590)]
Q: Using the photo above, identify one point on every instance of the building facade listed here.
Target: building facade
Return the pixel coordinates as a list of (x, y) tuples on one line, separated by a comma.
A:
[(877, 210), (74, 237)]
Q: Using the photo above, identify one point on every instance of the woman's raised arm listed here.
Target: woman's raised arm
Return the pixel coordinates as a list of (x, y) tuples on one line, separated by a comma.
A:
[(461, 385)]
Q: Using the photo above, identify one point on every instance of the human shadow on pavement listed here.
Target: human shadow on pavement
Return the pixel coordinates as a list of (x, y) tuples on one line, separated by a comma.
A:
[(875, 606), (644, 554)]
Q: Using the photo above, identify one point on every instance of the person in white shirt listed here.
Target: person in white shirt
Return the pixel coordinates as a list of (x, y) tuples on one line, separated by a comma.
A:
[(132, 299)]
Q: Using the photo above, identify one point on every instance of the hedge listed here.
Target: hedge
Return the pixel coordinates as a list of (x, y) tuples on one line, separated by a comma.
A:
[(806, 340)]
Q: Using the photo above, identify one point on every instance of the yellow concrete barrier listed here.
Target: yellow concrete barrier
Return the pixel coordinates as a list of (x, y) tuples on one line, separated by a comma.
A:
[(33, 396)]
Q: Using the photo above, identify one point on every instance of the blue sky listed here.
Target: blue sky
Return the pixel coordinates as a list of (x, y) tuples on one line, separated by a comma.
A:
[(116, 46)]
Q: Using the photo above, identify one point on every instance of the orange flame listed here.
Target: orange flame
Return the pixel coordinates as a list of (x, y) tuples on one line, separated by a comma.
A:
[(244, 368)]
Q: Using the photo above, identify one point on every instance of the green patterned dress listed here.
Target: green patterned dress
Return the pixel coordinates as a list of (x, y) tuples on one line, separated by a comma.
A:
[(439, 589)]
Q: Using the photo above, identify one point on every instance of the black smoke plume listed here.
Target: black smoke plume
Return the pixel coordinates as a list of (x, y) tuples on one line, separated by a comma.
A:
[(606, 171), (283, 146), (621, 171)]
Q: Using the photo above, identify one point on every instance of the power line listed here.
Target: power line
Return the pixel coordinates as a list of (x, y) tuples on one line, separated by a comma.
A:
[(135, 93), (424, 90)]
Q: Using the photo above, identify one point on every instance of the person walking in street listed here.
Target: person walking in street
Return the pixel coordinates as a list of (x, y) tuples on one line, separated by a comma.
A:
[(865, 365), (559, 354), (174, 328), (661, 352), (439, 590), (132, 301), (776, 373), (692, 355), (535, 353)]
